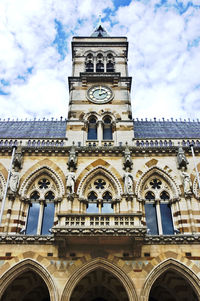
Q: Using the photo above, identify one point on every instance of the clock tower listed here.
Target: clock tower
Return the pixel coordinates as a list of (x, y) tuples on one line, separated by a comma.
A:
[(99, 88)]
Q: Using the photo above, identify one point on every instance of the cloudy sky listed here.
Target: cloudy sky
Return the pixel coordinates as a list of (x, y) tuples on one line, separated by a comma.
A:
[(35, 54)]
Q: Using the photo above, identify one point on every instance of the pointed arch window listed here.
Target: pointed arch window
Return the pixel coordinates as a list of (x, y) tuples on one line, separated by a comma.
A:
[(110, 63), (92, 128), (41, 208), (100, 63), (89, 64), (99, 197), (107, 128), (158, 208)]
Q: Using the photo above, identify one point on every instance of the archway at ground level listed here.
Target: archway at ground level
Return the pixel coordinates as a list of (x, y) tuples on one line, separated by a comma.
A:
[(99, 285), (172, 286), (28, 286)]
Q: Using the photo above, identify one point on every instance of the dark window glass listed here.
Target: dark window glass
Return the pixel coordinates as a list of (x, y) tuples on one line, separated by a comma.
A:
[(92, 129), (107, 129), (109, 67), (32, 222), (149, 196), (151, 219), (92, 196), (100, 67), (107, 133), (107, 196), (48, 215), (48, 218), (89, 67), (166, 218), (164, 196)]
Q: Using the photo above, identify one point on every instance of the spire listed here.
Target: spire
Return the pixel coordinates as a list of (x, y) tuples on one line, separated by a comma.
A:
[(99, 32)]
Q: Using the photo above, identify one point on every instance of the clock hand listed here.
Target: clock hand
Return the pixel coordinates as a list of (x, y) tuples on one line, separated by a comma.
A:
[(102, 93)]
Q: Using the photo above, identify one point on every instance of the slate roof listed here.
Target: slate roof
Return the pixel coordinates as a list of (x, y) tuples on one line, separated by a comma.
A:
[(57, 129), (100, 32), (166, 129), (33, 129)]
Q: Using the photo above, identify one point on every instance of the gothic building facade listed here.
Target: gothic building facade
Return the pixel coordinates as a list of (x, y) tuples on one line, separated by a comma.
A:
[(99, 206)]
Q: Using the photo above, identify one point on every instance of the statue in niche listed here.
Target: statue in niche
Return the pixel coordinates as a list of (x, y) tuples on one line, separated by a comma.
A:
[(70, 182), (14, 182), (181, 159), (187, 184), (72, 161), (127, 158), (128, 182)]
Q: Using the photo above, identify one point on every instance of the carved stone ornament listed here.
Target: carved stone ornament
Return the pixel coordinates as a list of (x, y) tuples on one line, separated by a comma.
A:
[(181, 159), (128, 163), (13, 184), (17, 161), (196, 188), (72, 161), (187, 183), (128, 183), (70, 182)]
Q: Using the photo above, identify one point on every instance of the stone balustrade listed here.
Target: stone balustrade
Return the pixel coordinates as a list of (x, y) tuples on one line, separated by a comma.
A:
[(75, 224)]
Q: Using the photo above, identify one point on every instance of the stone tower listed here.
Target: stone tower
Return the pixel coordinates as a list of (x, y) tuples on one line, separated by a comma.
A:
[(99, 91), (99, 207)]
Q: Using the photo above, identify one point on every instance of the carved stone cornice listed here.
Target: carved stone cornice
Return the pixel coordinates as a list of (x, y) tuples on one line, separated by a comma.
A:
[(100, 231), (62, 148), (26, 239), (172, 239)]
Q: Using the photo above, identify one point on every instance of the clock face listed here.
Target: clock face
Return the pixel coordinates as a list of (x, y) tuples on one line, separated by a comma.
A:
[(99, 94)]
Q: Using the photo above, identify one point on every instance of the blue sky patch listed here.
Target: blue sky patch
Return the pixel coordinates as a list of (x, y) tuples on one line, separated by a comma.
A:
[(61, 39)]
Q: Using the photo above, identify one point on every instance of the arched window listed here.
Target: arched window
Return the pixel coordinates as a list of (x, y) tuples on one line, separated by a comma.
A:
[(92, 203), (110, 63), (100, 63), (41, 208), (107, 203), (48, 217), (92, 128), (107, 128), (99, 197), (157, 207), (89, 65)]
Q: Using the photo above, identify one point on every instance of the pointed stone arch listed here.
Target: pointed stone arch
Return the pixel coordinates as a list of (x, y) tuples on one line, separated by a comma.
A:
[(43, 167), (162, 267), (3, 177), (99, 263), (99, 170), (163, 174), (26, 265)]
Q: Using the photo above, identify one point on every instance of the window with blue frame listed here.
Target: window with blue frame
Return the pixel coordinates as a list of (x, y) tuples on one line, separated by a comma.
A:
[(158, 208), (107, 128), (41, 210), (99, 198), (92, 128)]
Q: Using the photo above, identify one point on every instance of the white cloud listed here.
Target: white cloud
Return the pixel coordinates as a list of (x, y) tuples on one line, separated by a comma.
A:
[(165, 70)]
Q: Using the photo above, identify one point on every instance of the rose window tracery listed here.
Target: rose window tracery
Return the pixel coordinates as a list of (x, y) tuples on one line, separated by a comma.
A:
[(99, 194)]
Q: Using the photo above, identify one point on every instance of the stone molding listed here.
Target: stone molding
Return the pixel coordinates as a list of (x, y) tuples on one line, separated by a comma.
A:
[(170, 264), (163, 174), (104, 264), (28, 264)]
